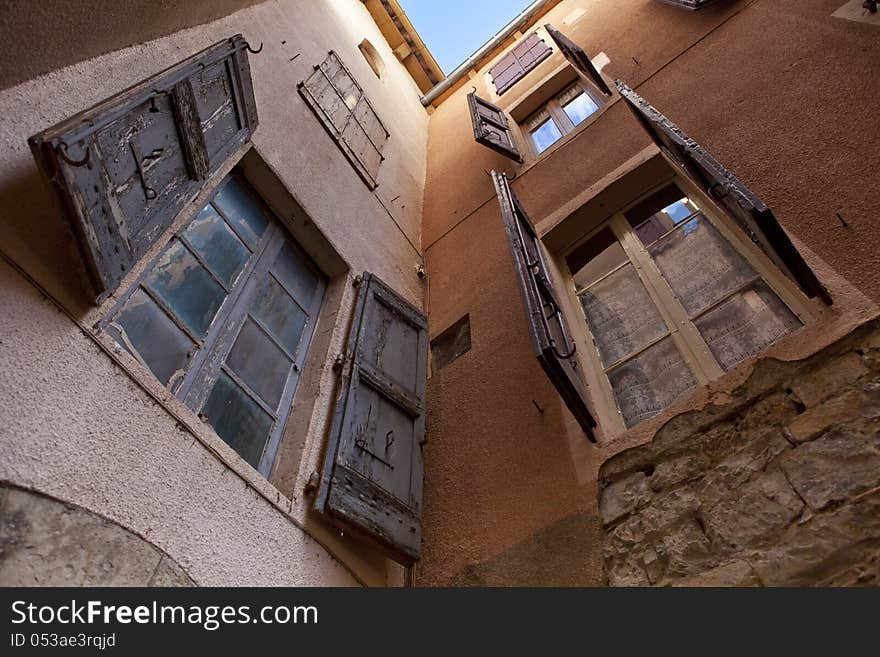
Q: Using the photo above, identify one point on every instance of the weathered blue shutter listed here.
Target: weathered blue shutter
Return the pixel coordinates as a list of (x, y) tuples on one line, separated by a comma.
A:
[(551, 340), (123, 169), (749, 212), (372, 478)]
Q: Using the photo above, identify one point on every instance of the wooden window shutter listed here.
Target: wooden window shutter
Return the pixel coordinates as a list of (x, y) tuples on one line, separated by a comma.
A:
[(748, 211), (525, 56), (372, 478), (124, 168), (578, 58), (491, 127), (550, 336)]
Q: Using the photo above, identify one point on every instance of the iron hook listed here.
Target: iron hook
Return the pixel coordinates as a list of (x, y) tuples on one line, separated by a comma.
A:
[(61, 149), (251, 50)]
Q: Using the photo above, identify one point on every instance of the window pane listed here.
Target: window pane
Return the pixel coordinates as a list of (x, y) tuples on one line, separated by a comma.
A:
[(295, 275), (158, 341), (581, 107), (699, 264), (595, 257), (277, 311), (217, 244), (242, 211), (746, 323), (545, 135), (259, 363), (621, 315), (650, 382), (659, 213), (188, 289), (237, 419)]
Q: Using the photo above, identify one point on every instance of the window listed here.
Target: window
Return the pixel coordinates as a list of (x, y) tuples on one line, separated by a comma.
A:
[(671, 302), (374, 59), (525, 56), (451, 343), (340, 104), (223, 317), (561, 115)]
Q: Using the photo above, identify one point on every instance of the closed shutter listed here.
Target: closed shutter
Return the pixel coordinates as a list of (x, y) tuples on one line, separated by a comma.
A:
[(550, 337), (123, 169), (748, 211), (372, 478), (578, 58), (491, 127), (525, 56)]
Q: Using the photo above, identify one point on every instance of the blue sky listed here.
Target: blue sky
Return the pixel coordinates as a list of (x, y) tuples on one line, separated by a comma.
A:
[(453, 29)]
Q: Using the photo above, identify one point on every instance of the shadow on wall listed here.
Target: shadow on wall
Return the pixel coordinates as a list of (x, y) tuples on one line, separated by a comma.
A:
[(37, 236)]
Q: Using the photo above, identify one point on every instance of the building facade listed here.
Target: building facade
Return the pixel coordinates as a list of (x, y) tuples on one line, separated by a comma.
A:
[(285, 305)]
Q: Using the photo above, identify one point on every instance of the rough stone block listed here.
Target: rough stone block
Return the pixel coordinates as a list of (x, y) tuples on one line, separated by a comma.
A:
[(826, 545), (833, 412), (627, 572), (623, 497), (754, 513), (735, 573), (673, 471), (813, 387), (737, 469), (832, 468), (774, 410), (44, 542), (687, 550)]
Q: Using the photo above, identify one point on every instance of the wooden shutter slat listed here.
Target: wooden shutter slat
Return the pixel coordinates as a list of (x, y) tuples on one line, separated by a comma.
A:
[(749, 212), (491, 127), (371, 483), (146, 150), (578, 58), (550, 336), (521, 59)]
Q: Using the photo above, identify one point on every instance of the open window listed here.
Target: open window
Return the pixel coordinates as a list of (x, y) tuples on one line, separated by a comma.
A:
[(224, 316), (672, 297), (561, 115)]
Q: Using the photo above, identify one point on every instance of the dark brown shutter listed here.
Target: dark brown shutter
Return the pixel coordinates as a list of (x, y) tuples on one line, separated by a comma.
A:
[(525, 56), (578, 58), (748, 211), (550, 336), (491, 127), (372, 478), (123, 169)]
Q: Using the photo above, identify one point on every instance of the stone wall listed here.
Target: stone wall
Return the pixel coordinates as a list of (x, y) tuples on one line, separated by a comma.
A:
[(44, 542), (780, 486)]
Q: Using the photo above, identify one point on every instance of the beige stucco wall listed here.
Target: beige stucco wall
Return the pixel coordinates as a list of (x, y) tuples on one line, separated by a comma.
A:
[(84, 423)]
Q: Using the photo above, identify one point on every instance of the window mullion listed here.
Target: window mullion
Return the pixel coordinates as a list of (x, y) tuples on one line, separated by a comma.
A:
[(687, 338), (560, 118)]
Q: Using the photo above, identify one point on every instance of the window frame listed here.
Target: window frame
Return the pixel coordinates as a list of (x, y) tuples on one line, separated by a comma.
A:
[(557, 114), (687, 338), (193, 388)]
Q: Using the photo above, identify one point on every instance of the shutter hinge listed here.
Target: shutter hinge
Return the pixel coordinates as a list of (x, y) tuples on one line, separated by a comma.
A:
[(338, 362), (357, 280)]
